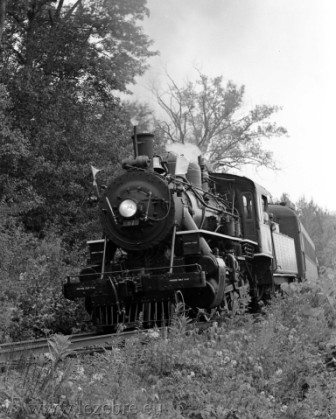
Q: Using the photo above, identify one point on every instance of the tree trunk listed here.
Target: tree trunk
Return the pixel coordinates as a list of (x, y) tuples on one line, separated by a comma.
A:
[(3, 4)]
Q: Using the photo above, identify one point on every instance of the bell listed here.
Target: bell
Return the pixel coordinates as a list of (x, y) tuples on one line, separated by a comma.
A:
[(157, 166)]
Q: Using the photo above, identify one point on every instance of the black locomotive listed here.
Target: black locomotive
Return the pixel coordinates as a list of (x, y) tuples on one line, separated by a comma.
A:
[(175, 232)]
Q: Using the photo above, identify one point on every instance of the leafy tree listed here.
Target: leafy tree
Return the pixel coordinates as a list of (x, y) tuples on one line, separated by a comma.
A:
[(286, 199), (210, 115), (139, 114), (97, 40), (61, 64), (321, 226), (3, 4), (16, 194), (311, 216)]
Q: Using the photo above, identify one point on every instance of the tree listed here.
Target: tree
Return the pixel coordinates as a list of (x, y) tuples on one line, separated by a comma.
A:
[(210, 115), (96, 40), (140, 115), (15, 159), (321, 226), (286, 199), (3, 5), (61, 64)]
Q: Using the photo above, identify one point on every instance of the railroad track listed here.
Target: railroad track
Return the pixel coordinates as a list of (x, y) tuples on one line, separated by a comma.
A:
[(15, 351), (12, 352)]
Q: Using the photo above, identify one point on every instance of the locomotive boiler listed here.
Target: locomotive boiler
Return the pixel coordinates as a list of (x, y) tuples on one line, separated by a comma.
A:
[(175, 233)]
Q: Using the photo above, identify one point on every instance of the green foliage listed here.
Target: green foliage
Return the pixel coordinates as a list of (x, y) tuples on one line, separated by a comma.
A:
[(31, 287), (15, 155), (61, 63), (60, 66), (87, 42), (210, 115), (42, 386), (321, 227), (140, 115), (320, 224), (276, 366)]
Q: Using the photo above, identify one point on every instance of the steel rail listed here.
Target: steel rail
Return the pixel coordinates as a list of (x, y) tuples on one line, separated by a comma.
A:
[(15, 351)]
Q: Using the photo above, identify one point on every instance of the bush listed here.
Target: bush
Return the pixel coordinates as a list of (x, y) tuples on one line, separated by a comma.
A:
[(272, 366), (32, 274)]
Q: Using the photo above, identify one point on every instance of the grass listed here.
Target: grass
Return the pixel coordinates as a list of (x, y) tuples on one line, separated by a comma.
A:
[(276, 366)]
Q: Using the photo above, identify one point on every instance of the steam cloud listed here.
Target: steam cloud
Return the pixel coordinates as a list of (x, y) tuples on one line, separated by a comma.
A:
[(190, 151)]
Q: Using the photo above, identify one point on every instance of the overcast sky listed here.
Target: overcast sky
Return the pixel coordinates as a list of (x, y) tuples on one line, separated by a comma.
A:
[(283, 51)]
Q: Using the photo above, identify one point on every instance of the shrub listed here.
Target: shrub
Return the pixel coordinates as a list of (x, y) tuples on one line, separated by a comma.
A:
[(32, 274), (272, 366)]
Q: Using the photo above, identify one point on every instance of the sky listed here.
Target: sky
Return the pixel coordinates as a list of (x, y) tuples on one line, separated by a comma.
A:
[(284, 52)]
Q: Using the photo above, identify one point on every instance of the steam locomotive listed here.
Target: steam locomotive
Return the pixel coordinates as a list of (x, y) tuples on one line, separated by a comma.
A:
[(175, 232)]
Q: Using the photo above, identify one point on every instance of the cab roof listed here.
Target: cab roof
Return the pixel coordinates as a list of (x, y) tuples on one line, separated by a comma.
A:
[(241, 180)]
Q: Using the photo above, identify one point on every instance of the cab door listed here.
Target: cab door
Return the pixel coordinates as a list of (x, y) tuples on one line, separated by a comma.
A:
[(266, 243), (249, 216)]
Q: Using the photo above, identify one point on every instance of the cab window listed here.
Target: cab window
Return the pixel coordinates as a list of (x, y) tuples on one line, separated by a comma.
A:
[(247, 205), (265, 217)]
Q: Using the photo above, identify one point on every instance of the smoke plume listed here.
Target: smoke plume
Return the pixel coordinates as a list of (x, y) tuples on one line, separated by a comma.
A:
[(190, 151)]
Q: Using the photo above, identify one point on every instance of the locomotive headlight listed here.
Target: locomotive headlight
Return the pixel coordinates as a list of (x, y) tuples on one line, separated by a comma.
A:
[(127, 208)]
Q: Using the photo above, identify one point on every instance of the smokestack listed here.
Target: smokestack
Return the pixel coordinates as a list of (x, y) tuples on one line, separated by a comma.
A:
[(143, 145)]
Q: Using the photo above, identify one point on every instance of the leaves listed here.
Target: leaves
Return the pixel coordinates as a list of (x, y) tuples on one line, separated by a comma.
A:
[(32, 286), (3, 5), (320, 225), (272, 367), (61, 63), (59, 348)]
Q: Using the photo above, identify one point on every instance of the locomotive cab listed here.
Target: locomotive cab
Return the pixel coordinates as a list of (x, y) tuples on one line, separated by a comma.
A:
[(251, 201)]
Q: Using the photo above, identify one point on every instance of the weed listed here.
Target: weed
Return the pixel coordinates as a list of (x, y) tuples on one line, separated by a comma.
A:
[(278, 366)]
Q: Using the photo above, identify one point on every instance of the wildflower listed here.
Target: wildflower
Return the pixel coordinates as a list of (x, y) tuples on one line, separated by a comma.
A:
[(6, 404), (177, 374), (226, 360), (245, 386), (258, 369), (278, 372), (80, 371), (49, 356), (153, 334), (23, 276), (191, 375), (97, 377), (234, 363)]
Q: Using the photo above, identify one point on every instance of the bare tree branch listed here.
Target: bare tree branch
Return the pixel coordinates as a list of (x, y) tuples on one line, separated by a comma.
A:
[(59, 8), (205, 113)]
